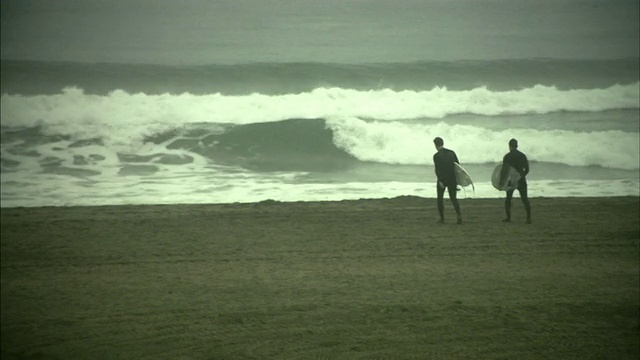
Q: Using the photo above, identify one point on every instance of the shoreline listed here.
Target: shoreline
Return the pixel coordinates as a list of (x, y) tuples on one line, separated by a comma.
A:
[(395, 199)]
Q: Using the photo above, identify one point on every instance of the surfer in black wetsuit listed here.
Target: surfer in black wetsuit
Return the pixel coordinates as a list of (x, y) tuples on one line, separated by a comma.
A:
[(443, 161), (518, 161)]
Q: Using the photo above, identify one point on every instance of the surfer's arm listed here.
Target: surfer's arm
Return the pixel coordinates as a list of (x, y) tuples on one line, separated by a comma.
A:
[(505, 168), (525, 166), (436, 167)]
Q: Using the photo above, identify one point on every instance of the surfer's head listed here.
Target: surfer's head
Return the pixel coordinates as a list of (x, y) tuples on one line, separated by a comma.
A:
[(513, 144), (438, 142)]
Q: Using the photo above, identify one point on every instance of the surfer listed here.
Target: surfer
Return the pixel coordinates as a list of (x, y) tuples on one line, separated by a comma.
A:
[(445, 172), (518, 161)]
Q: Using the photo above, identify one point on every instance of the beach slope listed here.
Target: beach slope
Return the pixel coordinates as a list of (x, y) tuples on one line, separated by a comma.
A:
[(357, 279)]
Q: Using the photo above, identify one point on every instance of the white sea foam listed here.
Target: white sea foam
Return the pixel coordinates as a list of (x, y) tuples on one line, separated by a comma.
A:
[(199, 188), (117, 163), (124, 119), (402, 143)]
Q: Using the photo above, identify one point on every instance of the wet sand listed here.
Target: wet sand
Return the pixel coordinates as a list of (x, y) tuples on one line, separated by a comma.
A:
[(365, 279)]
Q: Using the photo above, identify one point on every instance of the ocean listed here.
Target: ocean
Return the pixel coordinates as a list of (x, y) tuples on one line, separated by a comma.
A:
[(92, 129)]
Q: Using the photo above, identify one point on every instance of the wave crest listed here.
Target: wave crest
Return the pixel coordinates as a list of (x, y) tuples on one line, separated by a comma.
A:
[(73, 111), (369, 125), (410, 144)]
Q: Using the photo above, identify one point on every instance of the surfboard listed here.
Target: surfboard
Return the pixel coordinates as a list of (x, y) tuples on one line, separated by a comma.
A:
[(510, 180), (462, 177)]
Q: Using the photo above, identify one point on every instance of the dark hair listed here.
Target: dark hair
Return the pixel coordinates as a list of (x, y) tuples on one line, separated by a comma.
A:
[(513, 143), (438, 141)]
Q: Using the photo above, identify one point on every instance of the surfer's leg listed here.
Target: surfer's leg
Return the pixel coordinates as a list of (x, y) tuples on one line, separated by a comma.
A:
[(454, 200), (440, 202), (507, 205), (522, 189)]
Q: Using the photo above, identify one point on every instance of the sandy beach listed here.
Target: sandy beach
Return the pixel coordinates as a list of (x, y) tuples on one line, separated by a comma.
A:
[(365, 279)]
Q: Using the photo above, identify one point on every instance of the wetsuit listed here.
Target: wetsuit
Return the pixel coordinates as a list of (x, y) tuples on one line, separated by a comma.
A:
[(518, 161), (443, 161)]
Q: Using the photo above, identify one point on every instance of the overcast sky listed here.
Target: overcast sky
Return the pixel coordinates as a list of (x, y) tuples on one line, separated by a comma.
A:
[(227, 31)]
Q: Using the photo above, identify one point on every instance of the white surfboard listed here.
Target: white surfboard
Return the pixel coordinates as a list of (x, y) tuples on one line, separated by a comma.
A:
[(463, 178), (508, 182)]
